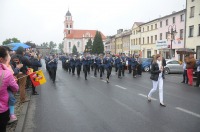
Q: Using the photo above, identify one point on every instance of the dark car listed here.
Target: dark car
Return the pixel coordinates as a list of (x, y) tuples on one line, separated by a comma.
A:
[(146, 63)]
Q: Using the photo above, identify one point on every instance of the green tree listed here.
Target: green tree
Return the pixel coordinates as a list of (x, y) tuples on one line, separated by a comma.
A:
[(45, 44), (74, 50), (88, 47), (61, 46), (10, 40), (52, 45), (29, 43), (98, 46)]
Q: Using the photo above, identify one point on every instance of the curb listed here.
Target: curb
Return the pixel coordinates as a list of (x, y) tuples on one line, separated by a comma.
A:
[(22, 118)]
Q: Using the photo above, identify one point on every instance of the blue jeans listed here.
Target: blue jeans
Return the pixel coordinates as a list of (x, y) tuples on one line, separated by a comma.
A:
[(12, 99)]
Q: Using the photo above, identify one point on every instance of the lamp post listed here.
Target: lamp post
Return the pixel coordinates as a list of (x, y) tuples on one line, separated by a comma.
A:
[(172, 32)]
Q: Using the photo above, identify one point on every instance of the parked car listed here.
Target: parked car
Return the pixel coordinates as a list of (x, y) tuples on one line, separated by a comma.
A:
[(146, 64), (173, 66)]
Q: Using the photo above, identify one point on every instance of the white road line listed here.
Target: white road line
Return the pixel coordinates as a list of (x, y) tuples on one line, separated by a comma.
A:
[(189, 112), (103, 80), (146, 96), (120, 87), (92, 77)]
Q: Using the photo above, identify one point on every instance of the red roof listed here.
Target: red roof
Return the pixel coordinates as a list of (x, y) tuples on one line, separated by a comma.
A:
[(78, 34)]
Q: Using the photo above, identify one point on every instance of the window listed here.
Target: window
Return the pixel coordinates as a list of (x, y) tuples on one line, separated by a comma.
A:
[(155, 37), (192, 11), (191, 30), (139, 40), (69, 44), (160, 23), (147, 28), (70, 26), (192, 0), (78, 44), (68, 31), (67, 25), (167, 22), (143, 29), (166, 35), (173, 19), (147, 40), (151, 27), (143, 40), (181, 34), (182, 17), (155, 26), (199, 31), (160, 36), (152, 39)]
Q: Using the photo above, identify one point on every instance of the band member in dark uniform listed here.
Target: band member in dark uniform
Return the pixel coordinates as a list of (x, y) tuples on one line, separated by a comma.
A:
[(85, 63), (118, 62), (78, 65), (101, 65), (95, 65), (134, 66), (72, 64), (123, 63), (53, 67), (139, 65), (129, 64), (107, 65)]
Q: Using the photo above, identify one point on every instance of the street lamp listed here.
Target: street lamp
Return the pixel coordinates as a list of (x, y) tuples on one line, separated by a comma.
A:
[(172, 32)]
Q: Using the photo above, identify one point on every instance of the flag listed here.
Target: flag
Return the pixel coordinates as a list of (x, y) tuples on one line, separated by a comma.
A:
[(37, 78)]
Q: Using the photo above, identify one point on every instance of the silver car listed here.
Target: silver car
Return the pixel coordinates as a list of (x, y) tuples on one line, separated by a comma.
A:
[(173, 66)]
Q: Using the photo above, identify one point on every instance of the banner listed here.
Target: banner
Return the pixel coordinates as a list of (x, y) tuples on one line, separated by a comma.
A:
[(29, 71), (37, 78)]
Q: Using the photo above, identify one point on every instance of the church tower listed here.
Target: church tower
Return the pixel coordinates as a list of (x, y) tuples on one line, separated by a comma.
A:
[(68, 24)]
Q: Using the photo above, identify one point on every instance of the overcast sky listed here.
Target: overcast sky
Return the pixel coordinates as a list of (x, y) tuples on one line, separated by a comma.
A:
[(42, 20)]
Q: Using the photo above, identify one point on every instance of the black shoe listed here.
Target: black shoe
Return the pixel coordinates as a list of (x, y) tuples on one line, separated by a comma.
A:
[(107, 80), (196, 86), (149, 99), (35, 93), (182, 82), (163, 105), (85, 78)]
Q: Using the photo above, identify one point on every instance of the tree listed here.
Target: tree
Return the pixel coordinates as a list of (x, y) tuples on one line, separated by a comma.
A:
[(61, 46), (74, 50), (10, 40), (88, 46), (52, 45), (98, 46), (29, 43), (45, 44)]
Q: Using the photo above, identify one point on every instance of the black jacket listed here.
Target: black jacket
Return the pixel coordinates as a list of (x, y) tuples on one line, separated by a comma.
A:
[(155, 71)]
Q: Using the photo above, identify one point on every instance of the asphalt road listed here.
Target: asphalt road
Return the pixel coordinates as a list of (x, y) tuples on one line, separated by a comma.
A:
[(75, 105)]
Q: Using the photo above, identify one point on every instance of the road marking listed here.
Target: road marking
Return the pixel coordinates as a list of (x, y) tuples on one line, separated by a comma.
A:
[(120, 87), (146, 96), (103, 80), (189, 112), (92, 77)]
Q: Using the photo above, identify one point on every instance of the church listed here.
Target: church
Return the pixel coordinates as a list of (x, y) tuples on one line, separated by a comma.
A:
[(76, 37)]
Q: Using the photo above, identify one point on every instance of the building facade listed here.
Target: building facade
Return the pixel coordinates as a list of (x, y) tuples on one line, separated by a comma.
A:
[(148, 38), (76, 37), (193, 26), (171, 42), (135, 38)]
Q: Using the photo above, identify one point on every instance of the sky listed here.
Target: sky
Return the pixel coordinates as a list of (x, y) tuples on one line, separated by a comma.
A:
[(43, 20)]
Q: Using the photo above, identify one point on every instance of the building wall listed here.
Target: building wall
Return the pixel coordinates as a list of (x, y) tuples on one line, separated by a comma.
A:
[(193, 42), (177, 42), (148, 47), (135, 39), (118, 41), (126, 44), (113, 46)]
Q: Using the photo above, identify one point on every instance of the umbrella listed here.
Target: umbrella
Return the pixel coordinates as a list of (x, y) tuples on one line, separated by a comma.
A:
[(15, 46), (185, 51)]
